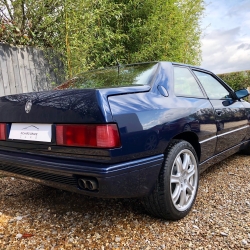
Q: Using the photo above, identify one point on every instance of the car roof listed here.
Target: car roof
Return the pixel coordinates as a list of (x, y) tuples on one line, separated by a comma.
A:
[(173, 63), (189, 65)]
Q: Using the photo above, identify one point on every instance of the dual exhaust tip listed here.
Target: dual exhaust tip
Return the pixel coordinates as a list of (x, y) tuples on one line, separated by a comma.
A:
[(88, 184)]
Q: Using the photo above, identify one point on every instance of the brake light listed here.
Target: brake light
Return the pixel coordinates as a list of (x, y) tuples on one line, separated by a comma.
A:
[(97, 136), (2, 131)]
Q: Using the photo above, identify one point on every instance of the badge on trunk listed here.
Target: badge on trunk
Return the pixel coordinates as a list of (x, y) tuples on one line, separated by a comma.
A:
[(28, 106)]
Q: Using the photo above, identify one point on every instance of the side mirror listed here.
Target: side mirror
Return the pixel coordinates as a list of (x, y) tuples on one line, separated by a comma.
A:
[(241, 93)]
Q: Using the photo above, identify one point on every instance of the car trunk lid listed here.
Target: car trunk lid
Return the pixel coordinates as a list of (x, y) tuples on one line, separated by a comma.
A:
[(67, 106)]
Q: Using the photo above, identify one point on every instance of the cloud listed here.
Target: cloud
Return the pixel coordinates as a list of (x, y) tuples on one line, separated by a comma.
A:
[(222, 55), (239, 8), (225, 38), (226, 42), (244, 46)]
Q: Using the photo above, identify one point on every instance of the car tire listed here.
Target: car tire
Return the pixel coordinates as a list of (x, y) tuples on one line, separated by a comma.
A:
[(177, 185)]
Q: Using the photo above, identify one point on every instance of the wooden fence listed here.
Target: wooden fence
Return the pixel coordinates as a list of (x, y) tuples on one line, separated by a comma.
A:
[(26, 69)]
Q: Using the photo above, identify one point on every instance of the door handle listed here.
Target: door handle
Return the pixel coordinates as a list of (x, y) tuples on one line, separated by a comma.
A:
[(218, 112)]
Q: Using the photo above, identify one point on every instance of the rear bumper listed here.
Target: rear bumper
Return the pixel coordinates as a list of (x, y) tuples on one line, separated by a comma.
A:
[(121, 180)]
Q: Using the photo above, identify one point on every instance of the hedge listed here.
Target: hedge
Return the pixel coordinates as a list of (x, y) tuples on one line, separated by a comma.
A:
[(237, 80)]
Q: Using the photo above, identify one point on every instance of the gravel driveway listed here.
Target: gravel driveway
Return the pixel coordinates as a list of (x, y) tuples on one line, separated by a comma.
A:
[(38, 217)]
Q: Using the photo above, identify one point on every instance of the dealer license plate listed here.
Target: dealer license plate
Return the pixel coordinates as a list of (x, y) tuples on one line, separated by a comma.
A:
[(31, 132)]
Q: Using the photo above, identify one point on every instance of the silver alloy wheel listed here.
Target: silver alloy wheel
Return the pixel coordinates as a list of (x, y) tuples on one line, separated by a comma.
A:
[(183, 180)]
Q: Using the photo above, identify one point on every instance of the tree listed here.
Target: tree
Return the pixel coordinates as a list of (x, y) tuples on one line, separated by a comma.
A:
[(32, 22), (98, 33), (132, 31)]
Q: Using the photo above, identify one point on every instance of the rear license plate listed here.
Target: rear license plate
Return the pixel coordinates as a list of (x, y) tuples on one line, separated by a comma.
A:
[(31, 132)]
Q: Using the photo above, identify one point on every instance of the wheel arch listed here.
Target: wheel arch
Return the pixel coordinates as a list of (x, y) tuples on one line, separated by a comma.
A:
[(193, 139), (165, 199)]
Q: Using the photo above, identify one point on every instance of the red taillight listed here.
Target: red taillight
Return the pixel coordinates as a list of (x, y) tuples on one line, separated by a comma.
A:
[(2, 131), (97, 136)]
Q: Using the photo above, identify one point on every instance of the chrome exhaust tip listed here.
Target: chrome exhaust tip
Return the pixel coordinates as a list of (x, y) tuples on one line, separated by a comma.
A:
[(82, 183), (91, 185), (86, 183)]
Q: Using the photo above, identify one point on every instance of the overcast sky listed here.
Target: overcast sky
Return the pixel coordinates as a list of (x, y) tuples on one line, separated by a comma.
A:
[(226, 38)]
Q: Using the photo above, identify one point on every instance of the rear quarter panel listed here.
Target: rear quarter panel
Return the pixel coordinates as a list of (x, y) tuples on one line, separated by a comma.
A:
[(148, 121)]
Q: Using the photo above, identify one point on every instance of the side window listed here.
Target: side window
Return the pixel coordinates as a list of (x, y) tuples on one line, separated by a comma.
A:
[(213, 88), (185, 84)]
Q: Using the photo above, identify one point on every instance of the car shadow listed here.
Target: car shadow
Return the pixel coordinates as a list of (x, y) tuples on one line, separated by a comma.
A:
[(36, 201)]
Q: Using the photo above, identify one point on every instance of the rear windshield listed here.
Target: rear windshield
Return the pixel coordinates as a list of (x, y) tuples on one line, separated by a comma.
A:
[(127, 75)]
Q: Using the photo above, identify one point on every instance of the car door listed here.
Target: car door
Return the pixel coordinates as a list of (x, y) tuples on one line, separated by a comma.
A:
[(199, 113), (231, 120)]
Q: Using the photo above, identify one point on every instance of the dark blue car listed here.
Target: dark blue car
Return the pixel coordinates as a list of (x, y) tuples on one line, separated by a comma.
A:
[(143, 130)]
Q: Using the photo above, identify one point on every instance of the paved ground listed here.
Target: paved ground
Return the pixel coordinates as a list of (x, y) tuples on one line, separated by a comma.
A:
[(37, 217)]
